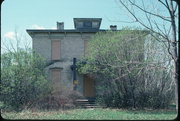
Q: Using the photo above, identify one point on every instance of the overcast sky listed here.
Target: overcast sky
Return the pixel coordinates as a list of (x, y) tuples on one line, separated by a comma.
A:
[(19, 15)]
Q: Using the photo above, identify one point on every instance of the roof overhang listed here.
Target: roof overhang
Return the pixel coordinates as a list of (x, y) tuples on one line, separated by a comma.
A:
[(50, 31)]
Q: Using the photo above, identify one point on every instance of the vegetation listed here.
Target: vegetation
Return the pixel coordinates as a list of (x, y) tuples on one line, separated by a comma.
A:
[(131, 68), (23, 79), (24, 83), (93, 114), (61, 98), (162, 19)]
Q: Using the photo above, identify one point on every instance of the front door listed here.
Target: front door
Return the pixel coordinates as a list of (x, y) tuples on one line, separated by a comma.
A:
[(89, 86)]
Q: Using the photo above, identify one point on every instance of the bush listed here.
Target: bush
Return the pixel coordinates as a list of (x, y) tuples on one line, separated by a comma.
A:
[(124, 95), (63, 98), (23, 79)]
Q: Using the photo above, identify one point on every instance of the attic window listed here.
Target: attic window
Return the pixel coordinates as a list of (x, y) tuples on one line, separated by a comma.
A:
[(95, 24), (79, 24), (87, 24)]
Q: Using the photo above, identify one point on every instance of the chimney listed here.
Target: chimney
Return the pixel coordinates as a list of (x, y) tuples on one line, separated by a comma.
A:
[(113, 27), (60, 25)]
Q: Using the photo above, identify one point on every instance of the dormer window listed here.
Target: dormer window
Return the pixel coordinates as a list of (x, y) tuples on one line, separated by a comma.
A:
[(79, 24), (95, 24), (87, 23)]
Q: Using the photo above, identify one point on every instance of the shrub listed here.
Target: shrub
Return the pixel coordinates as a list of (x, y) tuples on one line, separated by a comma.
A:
[(23, 79), (63, 98)]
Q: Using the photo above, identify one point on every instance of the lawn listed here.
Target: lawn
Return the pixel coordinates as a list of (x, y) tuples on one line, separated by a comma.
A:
[(93, 114)]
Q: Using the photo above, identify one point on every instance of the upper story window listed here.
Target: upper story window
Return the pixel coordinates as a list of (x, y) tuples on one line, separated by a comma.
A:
[(79, 24), (95, 24), (55, 50), (87, 23)]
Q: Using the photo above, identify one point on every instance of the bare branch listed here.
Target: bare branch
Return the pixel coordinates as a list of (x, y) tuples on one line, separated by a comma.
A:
[(163, 3), (168, 8), (6, 47), (148, 18), (157, 26), (162, 17), (140, 21), (175, 8), (167, 32), (121, 21)]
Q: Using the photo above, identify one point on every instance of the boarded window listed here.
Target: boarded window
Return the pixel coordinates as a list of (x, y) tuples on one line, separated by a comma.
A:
[(56, 78), (55, 50)]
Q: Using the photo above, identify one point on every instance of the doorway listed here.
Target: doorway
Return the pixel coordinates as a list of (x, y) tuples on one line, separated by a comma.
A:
[(89, 87)]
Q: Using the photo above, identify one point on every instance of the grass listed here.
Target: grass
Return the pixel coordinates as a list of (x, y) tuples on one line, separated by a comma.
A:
[(93, 114)]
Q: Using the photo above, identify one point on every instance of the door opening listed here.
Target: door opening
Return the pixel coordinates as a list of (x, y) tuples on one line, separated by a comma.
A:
[(89, 86)]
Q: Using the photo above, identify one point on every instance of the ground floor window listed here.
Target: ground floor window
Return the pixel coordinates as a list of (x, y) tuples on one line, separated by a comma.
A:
[(56, 78)]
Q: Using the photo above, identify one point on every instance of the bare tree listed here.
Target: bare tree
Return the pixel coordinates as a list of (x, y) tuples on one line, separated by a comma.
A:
[(164, 24)]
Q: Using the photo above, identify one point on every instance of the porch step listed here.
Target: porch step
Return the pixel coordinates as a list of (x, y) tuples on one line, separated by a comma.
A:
[(86, 103)]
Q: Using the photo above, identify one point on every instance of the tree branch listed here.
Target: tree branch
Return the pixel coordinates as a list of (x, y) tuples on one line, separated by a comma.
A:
[(148, 18), (162, 17)]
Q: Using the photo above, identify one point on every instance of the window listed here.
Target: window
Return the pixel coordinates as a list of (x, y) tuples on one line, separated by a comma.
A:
[(79, 25), (95, 24), (55, 46), (87, 24), (56, 78)]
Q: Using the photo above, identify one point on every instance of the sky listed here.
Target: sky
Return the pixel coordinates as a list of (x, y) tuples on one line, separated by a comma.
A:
[(42, 14), (19, 15)]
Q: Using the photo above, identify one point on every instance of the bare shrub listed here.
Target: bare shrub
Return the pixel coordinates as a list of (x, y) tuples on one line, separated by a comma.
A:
[(62, 98)]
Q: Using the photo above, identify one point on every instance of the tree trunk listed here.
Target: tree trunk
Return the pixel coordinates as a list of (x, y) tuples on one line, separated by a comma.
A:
[(174, 50), (176, 86)]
